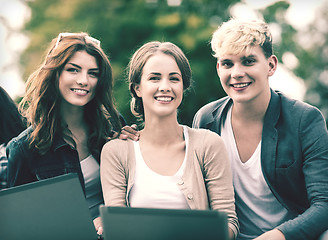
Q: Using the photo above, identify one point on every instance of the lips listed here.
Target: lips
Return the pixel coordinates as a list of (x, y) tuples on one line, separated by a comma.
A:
[(80, 91), (164, 99), (240, 85)]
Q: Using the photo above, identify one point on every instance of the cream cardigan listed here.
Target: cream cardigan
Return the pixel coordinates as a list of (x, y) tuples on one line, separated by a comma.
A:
[(206, 183)]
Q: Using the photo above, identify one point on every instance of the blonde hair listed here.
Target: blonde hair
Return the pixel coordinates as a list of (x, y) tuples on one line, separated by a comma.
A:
[(236, 36)]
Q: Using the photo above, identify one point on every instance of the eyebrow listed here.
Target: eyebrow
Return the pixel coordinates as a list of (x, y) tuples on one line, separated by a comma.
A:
[(242, 58), (154, 73), (77, 66), (158, 74), (173, 73), (224, 60), (249, 56)]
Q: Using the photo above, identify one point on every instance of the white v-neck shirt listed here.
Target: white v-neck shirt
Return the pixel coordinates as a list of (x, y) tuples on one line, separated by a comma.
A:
[(152, 190), (257, 208)]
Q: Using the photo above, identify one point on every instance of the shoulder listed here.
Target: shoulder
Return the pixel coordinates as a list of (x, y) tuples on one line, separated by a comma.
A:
[(303, 121), (117, 147), (212, 106), (204, 137), (19, 156), (299, 110), (209, 113), (117, 143), (294, 104), (117, 154), (20, 140), (200, 132)]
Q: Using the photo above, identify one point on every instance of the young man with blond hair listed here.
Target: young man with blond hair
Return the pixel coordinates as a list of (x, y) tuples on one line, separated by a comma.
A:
[(278, 147)]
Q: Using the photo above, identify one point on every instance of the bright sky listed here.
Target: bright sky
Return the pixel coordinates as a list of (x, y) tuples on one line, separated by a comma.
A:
[(300, 12), (14, 13)]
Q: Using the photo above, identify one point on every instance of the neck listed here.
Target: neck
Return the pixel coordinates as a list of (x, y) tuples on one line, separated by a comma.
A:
[(252, 110), (72, 116), (161, 132)]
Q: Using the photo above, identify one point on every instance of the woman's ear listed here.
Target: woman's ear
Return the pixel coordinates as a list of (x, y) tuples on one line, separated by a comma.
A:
[(273, 63), (136, 88)]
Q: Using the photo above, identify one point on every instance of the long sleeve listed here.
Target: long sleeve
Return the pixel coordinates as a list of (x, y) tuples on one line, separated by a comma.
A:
[(208, 176), (218, 178), (114, 172), (313, 138)]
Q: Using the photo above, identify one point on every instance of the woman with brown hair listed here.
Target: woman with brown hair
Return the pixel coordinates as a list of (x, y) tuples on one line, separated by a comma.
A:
[(69, 105), (172, 165)]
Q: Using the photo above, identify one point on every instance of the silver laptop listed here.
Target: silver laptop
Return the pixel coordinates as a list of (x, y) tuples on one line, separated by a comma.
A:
[(52, 209), (123, 223)]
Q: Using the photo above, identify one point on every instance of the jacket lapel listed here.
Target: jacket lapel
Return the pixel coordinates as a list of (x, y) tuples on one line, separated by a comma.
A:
[(219, 115), (270, 139)]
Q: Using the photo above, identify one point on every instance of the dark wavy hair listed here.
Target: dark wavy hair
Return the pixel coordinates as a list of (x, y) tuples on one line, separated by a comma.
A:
[(42, 101), (11, 121), (138, 61)]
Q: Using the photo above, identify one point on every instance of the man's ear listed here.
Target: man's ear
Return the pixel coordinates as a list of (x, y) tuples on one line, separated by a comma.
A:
[(137, 89), (273, 63), (217, 68)]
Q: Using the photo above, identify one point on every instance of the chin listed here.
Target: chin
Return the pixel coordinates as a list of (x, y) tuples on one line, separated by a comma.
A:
[(241, 99), (79, 104)]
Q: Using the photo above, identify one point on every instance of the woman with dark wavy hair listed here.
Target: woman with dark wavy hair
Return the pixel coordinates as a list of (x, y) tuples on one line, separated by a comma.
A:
[(69, 105)]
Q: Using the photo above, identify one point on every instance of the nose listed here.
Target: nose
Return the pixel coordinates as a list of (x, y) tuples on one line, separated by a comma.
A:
[(82, 79), (238, 71), (164, 85)]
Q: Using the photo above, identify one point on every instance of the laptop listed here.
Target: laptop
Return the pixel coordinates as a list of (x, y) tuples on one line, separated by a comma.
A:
[(124, 223), (52, 209)]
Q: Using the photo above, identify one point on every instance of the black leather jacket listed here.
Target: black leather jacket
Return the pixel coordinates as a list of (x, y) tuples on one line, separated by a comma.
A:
[(25, 165)]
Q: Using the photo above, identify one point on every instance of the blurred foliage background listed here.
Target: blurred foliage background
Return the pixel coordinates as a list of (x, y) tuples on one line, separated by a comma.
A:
[(124, 25)]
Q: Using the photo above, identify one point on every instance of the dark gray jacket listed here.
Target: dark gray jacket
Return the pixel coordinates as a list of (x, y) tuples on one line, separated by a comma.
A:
[(294, 155)]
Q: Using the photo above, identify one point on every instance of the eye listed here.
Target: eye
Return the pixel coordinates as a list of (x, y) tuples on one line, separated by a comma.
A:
[(154, 78), (94, 74), (175, 79), (72, 70), (249, 61), (226, 64)]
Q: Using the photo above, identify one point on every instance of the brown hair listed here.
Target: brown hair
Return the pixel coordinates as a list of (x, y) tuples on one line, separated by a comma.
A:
[(43, 99), (138, 61)]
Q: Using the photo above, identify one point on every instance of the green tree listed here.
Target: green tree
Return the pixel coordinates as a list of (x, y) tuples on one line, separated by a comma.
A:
[(310, 46), (314, 62), (123, 26)]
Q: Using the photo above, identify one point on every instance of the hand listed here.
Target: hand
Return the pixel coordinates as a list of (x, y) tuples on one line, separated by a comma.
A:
[(231, 234), (130, 132), (274, 234), (98, 225)]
